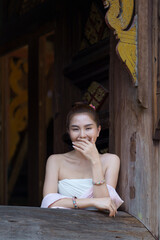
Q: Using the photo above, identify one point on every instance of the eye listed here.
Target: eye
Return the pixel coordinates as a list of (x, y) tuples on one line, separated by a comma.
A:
[(88, 128), (75, 129)]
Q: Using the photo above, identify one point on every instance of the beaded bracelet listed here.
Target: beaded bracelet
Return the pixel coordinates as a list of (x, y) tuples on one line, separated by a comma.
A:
[(74, 202), (99, 182)]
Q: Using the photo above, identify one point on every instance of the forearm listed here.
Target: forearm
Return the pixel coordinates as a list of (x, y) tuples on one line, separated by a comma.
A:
[(68, 203), (99, 191)]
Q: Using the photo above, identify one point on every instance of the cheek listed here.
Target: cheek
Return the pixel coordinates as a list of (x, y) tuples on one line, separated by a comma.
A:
[(93, 134), (73, 135)]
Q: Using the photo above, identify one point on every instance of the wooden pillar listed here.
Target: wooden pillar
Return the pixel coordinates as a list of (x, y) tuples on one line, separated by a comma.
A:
[(159, 194), (131, 122), (144, 46), (67, 43), (36, 126), (4, 132)]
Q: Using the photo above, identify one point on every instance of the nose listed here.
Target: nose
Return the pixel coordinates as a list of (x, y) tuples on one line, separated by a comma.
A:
[(82, 133)]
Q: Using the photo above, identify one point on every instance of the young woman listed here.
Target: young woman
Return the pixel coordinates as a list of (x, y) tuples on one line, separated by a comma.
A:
[(82, 178)]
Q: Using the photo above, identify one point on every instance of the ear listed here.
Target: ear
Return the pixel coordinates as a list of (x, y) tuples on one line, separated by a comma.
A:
[(98, 130)]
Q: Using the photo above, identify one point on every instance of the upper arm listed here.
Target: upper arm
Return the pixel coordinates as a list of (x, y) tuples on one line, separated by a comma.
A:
[(112, 170), (51, 176)]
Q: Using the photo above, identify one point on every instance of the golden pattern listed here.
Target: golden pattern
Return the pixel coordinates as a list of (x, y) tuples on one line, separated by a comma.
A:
[(95, 94), (18, 109), (95, 28), (119, 17)]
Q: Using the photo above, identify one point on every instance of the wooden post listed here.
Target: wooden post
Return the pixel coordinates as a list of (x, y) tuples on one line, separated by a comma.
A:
[(42, 113), (36, 126), (144, 45), (4, 111)]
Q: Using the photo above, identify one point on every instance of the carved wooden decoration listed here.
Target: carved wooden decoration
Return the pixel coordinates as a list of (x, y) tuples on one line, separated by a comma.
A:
[(95, 28), (18, 110), (20, 7), (120, 18)]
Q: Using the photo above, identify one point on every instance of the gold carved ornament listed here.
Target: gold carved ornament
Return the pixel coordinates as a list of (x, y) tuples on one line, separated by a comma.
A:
[(18, 109), (120, 18), (95, 28)]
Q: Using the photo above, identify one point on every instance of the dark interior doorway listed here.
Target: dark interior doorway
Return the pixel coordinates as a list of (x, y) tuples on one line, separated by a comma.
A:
[(63, 61)]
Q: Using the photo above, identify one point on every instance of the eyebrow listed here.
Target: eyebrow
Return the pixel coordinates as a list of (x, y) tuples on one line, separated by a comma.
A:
[(87, 125)]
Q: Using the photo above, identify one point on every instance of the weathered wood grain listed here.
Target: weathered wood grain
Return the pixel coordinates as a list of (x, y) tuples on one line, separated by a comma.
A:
[(144, 53), (138, 179), (5, 123), (35, 223)]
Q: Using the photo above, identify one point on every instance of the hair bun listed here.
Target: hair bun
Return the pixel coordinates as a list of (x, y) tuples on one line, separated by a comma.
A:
[(79, 103)]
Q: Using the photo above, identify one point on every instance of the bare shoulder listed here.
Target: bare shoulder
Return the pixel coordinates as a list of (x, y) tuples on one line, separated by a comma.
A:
[(54, 160), (110, 159)]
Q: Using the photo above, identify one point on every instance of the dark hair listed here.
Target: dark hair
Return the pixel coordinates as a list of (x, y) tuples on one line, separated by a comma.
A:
[(81, 107)]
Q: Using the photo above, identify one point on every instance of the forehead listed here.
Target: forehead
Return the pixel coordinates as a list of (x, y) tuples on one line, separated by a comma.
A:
[(84, 118)]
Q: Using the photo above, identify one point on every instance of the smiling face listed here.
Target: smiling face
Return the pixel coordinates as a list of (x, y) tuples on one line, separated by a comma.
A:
[(83, 126)]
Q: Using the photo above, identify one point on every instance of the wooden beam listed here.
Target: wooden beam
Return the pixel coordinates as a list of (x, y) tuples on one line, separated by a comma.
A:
[(33, 123), (17, 166), (77, 225), (36, 123), (42, 114), (144, 51), (5, 150)]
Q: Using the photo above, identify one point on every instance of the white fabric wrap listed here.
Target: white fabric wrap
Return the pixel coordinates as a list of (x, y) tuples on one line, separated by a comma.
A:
[(81, 188), (50, 199)]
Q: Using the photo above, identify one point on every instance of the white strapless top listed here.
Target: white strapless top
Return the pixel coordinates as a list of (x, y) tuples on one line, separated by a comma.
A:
[(80, 188), (74, 187)]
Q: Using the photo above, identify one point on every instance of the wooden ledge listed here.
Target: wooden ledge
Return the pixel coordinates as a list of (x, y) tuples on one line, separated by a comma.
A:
[(19, 223)]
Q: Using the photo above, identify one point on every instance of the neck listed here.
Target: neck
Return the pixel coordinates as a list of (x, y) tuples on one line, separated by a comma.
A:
[(79, 157)]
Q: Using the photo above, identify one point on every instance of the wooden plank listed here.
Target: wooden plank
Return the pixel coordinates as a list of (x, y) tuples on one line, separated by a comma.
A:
[(42, 131), (159, 195), (5, 144), (67, 42), (144, 46), (156, 70), (37, 120), (17, 166), (36, 223), (33, 124), (138, 178), (155, 61)]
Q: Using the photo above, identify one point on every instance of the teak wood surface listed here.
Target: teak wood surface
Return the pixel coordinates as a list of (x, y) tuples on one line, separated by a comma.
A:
[(36, 223)]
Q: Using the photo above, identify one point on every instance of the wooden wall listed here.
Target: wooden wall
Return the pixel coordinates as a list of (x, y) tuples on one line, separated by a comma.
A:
[(159, 194), (131, 124), (131, 132), (132, 141), (68, 35)]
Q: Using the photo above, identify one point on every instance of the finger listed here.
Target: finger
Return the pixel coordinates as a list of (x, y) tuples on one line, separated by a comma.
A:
[(92, 140), (79, 144), (112, 211), (111, 214), (114, 207), (87, 142), (84, 140), (78, 148)]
